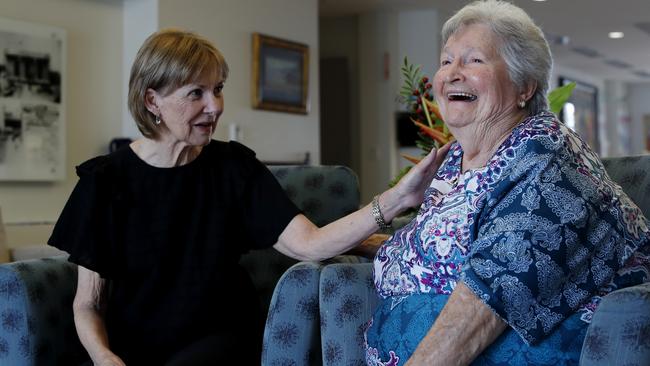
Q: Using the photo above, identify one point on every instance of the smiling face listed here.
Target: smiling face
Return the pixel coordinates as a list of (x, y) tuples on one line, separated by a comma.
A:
[(472, 85), (189, 114)]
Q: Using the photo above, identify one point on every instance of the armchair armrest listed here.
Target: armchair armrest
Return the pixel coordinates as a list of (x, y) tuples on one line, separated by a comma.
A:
[(36, 320), (619, 333), (291, 331), (347, 302)]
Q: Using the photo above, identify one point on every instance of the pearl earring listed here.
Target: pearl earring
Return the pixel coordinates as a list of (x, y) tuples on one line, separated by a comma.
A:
[(158, 120), (522, 104)]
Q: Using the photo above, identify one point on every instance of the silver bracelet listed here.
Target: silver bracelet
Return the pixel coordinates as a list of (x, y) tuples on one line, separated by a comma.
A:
[(376, 213)]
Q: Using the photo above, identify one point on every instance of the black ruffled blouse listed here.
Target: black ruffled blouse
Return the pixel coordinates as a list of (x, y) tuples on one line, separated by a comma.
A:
[(169, 241)]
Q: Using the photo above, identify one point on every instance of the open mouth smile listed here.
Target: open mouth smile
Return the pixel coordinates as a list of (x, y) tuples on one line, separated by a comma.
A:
[(461, 97)]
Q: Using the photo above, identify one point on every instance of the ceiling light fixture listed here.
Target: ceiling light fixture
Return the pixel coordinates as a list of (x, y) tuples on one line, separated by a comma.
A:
[(616, 35)]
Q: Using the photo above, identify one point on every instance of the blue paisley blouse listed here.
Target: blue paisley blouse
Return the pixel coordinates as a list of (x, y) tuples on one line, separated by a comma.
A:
[(538, 234)]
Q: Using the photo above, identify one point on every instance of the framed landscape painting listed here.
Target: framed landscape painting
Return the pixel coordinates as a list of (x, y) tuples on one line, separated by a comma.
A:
[(280, 74)]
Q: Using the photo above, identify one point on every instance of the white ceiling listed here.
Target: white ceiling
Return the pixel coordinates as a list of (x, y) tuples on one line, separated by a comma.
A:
[(585, 22)]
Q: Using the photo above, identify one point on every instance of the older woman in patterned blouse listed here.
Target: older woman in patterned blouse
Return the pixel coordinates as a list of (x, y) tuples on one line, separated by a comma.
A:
[(521, 231)]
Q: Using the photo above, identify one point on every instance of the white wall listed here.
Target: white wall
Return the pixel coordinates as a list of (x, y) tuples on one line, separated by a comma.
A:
[(93, 98), (379, 72), (419, 41), (140, 19), (95, 79), (229, 24), (385, 39)]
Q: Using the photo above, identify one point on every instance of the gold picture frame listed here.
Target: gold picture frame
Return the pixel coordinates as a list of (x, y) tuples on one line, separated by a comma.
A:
[(280, 74)]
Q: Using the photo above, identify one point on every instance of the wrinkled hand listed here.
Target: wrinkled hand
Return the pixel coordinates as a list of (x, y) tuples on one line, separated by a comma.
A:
[(412, 186)]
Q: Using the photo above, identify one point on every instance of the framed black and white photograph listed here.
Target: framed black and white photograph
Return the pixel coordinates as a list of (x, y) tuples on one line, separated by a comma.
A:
[(280, 74), (32, 112), (580, 112)]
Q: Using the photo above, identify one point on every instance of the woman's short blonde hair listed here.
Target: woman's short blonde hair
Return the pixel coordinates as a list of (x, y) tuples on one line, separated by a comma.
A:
[(523, 45), (169, 59)]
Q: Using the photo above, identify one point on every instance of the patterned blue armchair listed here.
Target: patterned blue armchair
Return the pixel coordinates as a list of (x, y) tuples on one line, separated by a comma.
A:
[(618, 335), (36, 324), (36, 320), (291, 335)]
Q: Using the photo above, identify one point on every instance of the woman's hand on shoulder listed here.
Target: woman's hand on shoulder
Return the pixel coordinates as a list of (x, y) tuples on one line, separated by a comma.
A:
[(412, 186)]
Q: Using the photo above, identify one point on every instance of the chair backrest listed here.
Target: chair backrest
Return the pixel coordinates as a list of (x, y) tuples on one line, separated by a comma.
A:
[(36, 311), (324, 194), (632, 173)]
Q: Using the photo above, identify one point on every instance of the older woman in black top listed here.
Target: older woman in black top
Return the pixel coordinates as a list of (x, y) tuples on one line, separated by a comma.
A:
[(157, 228)]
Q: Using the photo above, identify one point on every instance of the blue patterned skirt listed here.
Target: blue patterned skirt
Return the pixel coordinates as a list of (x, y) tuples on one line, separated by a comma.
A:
[(398, 325)]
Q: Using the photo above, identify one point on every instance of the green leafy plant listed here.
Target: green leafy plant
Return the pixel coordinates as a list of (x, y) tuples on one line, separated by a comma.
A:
[(558, 97), (417, 96)]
